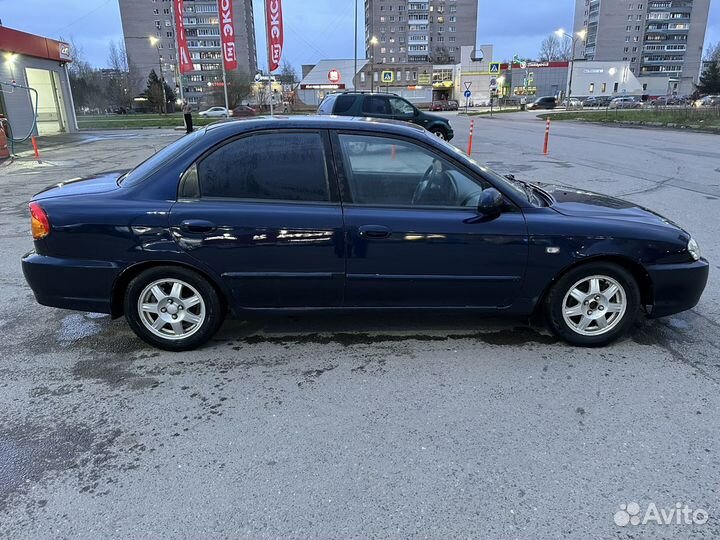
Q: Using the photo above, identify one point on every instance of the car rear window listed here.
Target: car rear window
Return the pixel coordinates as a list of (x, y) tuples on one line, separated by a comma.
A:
[(326, 107), (148, 166), (286, 166), (343, 104)]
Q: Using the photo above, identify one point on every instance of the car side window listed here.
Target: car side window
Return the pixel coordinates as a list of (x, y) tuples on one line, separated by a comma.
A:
[(326, 106), (268, 166), (400, 107), (383, 171), (344, 103), (376, 105)]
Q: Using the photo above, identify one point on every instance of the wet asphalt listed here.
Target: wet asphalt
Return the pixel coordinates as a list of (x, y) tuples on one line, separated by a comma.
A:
[(408, 425)]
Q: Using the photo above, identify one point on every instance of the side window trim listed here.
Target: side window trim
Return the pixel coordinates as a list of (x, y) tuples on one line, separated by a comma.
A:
[(186, 189), (344, 184)]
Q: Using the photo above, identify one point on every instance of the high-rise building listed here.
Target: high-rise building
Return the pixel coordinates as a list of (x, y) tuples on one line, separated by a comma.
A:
[(660, 38), (146, 19), (419, 31)]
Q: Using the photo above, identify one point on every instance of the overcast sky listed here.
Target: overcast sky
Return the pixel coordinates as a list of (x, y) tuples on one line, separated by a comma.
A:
[(311, 34)]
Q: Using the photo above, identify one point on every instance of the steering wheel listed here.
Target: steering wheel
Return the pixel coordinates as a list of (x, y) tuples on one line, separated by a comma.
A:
[(436, 187)]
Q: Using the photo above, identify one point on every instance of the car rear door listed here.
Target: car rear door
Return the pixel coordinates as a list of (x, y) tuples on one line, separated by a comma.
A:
[(377, 106), (409, 246), (262, 211)]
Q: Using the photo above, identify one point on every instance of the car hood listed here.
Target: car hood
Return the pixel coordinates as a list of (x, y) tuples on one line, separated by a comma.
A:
[(579, 203), (82, 186)]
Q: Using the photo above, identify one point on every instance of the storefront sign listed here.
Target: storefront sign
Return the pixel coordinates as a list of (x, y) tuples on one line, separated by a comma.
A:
[(339, 86)]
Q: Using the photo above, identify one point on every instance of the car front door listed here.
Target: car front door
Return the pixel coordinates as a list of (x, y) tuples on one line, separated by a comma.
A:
[(414, 236), (262, 211)]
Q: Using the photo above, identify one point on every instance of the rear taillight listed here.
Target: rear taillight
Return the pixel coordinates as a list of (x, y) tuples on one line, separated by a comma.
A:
[(39, 222)]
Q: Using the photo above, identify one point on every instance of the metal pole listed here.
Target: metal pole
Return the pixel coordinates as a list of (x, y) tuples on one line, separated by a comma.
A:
[(178, 75), (356, 32), (162, 81), (372, 67), (267, 46), (572, 65), (227, 107)]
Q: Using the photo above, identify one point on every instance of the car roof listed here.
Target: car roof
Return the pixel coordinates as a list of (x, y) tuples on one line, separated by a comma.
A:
[(231, 127)]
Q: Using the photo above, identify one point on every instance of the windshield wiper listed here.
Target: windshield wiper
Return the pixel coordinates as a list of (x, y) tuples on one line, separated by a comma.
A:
[(527, 188)]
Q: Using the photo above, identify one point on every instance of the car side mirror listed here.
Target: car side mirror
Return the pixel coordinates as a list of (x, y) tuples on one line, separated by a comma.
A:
[(491, 203)]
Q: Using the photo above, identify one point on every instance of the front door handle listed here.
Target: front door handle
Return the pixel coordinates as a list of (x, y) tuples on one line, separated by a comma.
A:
[(197, 226), (373, 231)]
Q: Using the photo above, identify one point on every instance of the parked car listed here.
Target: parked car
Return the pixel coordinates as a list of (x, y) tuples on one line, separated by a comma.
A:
[(335, 213), (707, 101), (628, 102), (386, 106), (544, 102), (214, 112), (572, 104), (445, 105), (597, 101), (242, 111)]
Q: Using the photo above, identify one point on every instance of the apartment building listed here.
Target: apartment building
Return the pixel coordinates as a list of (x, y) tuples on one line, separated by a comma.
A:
[(659, 38), (146, 19), (419, 31)]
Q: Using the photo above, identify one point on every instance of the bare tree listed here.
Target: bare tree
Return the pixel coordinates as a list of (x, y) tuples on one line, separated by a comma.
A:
[(551, 49), (566, 50), (712, 53), (117, 58)]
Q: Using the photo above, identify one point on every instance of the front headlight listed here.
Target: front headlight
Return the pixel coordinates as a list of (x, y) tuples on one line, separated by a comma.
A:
[(694, 249)]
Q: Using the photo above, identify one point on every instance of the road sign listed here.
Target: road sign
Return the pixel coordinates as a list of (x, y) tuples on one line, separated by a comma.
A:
[(388, 76), (493, 83), (467, 85), (467, 93), (495, 68)]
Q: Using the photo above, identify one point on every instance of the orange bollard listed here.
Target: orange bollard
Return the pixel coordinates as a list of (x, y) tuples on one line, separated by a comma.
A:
[(472, 125), (35, 147), (547, 136)]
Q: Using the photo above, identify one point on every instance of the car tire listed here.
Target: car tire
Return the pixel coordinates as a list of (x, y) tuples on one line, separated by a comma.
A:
[(439, 132), (584, 297), (173, 308)]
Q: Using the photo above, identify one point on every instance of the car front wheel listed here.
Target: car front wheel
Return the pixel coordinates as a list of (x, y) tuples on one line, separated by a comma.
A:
[(439, 132), (173, 308), (593, 304)]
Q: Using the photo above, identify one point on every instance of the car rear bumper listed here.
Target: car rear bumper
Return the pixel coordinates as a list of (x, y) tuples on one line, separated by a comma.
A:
[(677, 287), (79, 284)]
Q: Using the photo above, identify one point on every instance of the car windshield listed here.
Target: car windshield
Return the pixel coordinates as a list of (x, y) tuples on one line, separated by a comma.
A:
[(159, 158), (515, 186)]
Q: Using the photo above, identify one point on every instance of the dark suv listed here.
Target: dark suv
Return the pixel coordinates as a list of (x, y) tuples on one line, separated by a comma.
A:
[(545, 102), (383, 105)]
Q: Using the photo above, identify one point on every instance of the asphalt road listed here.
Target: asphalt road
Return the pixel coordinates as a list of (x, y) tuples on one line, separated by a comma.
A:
[(370, 426)]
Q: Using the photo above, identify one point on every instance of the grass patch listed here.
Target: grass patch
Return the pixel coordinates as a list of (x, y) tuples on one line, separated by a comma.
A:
[(494, 111), (135, 121), (688, 118)]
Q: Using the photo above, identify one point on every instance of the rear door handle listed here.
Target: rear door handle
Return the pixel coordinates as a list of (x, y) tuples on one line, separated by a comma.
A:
[(374, 231), (197, 226)]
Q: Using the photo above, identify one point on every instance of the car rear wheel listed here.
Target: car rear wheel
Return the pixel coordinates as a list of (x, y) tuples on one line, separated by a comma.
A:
[(173, 308), (593, 304), (439, 132)]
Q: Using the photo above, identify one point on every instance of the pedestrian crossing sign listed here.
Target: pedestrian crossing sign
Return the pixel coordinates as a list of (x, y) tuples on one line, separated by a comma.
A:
[(387, 77), (494, 68)]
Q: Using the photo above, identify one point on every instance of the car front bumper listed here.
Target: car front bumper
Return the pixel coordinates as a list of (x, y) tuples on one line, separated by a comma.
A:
[(80, 284), (677, 287)]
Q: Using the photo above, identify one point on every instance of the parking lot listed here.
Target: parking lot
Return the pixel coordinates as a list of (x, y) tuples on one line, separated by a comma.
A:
[(409, 425)]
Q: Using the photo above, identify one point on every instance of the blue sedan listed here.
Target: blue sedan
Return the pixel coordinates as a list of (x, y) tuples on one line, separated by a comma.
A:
[(332, 213)]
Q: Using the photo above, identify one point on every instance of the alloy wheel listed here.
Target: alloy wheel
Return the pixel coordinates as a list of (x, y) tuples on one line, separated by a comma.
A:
[(594, 305), (171, 309)]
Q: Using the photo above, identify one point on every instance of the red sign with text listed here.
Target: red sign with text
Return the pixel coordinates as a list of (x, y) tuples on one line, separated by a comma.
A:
[(182, 44), (274, 22), (227, 35)]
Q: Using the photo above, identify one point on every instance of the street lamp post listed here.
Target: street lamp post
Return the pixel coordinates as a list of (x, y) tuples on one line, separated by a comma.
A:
[(578, 36), (155, 42), (373, 42)]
